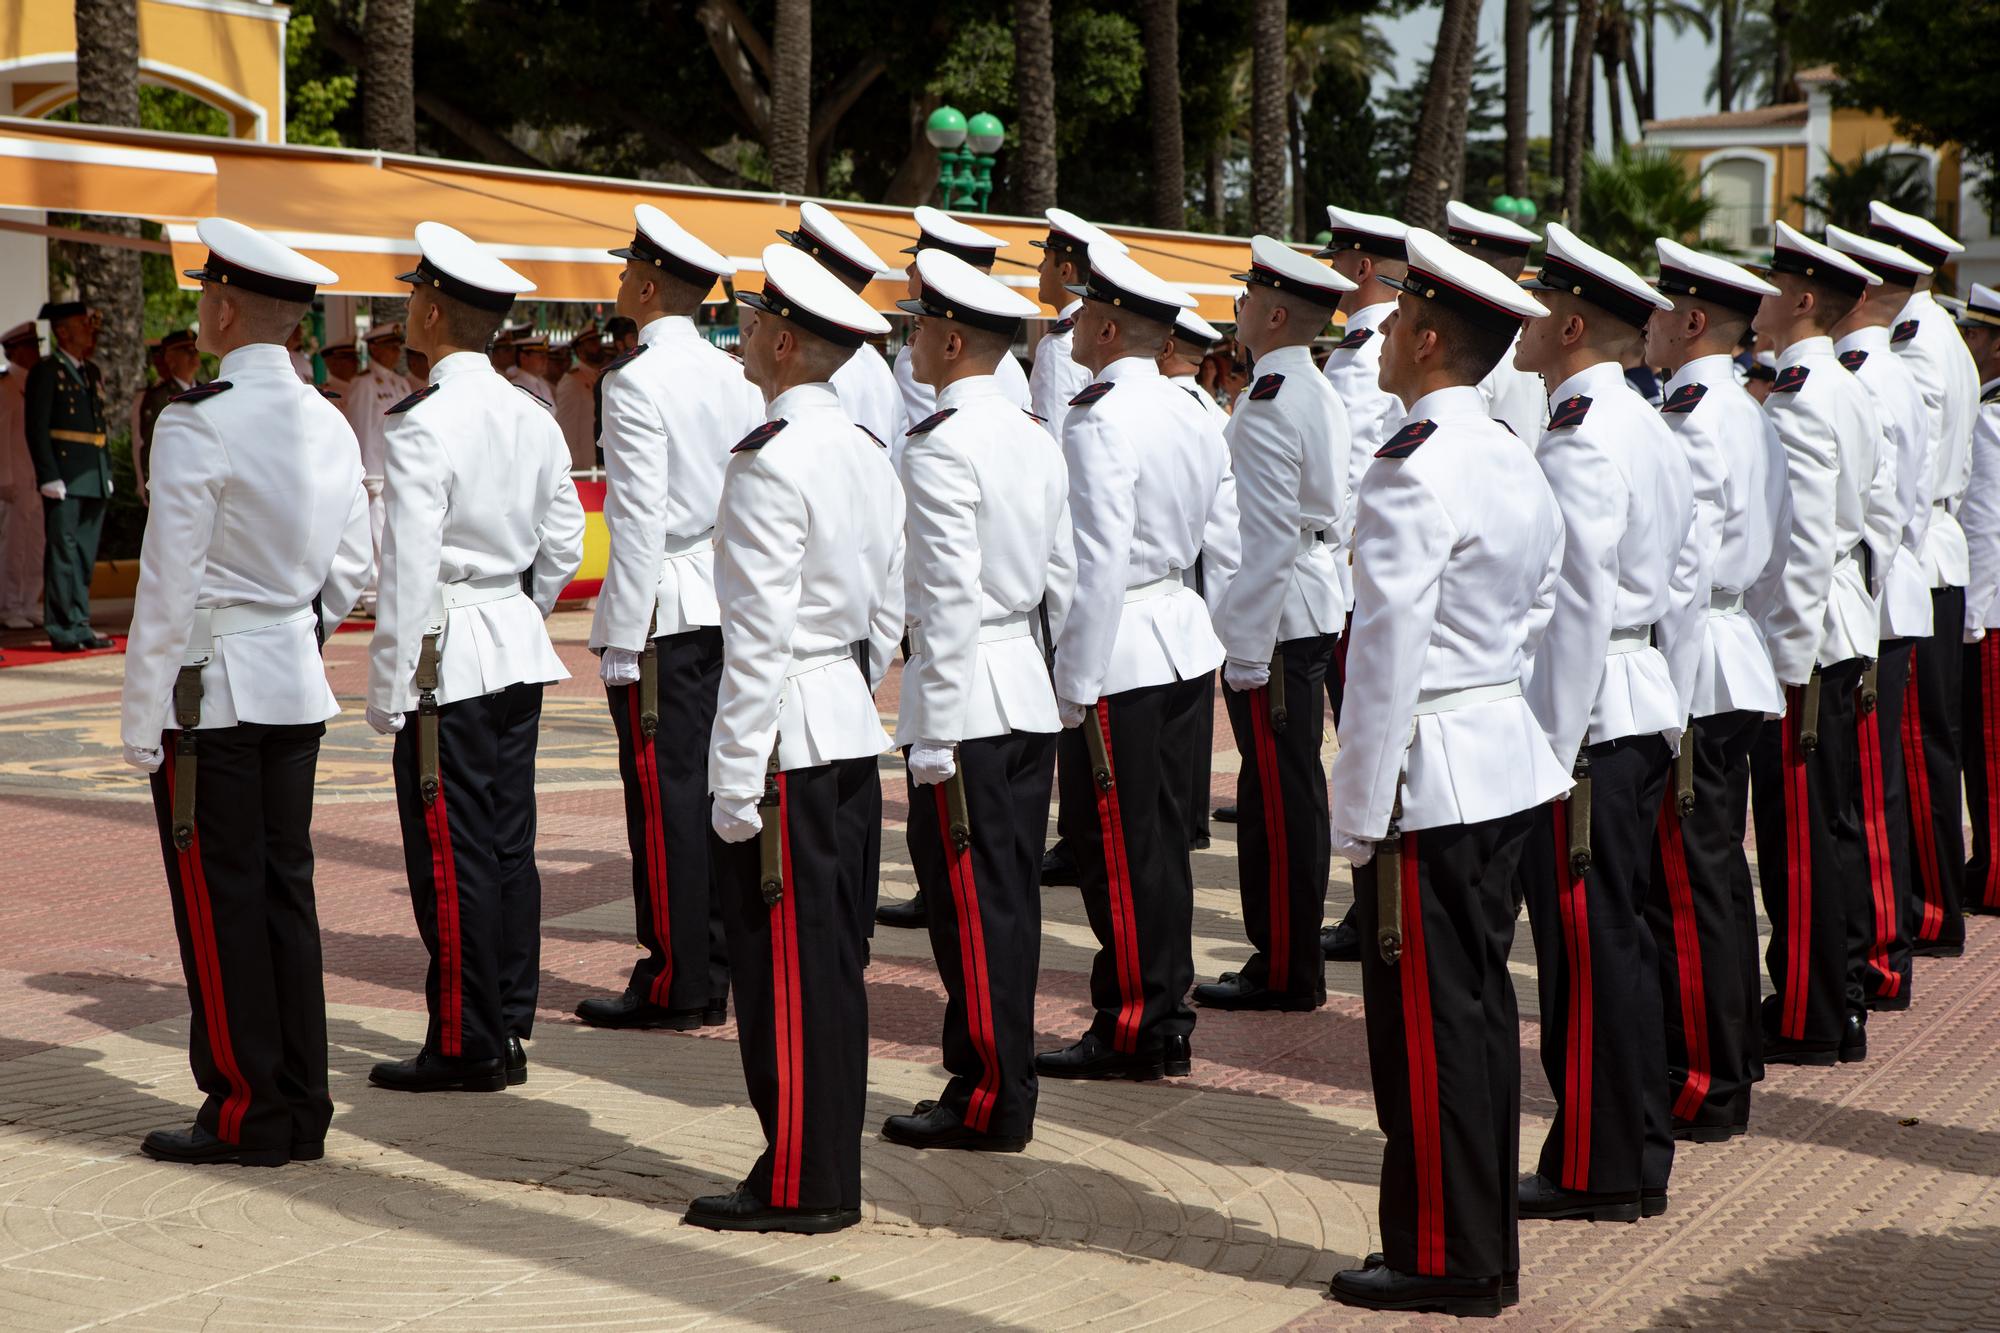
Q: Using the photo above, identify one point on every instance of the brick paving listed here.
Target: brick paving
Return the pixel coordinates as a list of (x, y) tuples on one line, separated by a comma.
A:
[(1867, 1196)]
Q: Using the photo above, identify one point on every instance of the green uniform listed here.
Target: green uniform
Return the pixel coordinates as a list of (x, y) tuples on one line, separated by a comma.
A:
[(66, 439)]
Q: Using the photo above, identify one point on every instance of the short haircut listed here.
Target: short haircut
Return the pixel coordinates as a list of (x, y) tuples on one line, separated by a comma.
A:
[(1301, 310), (265, 319), (982, 342), (619, 326), (1723, 321), (465, 324), (819, 356), (1831, 303), (1141, 334), (1471, 348), (674, 294)]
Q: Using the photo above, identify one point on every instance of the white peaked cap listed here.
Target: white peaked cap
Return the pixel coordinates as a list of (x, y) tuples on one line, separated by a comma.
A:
[(954, 289), (461, 267), (1440, 271), (1921, 236), (1889, 262), (1190, 325), (1706, 277), (664, 243), (1982, 305), (239, 256), (1792, 251), (1371, 233), (1573, 265), (939, 230), (799, 288), (1117, 279), (1465, 224), (1276, 265), (832, 242), (1076, 233)]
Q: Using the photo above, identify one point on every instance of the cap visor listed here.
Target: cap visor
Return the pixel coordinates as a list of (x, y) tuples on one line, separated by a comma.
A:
[(414, 275), (909, 249), (1076, 289), (911, 307), (623, 252), (198, 274)]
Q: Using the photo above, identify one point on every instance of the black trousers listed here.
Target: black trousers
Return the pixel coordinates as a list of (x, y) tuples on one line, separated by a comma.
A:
[(1878, 952), (985, 915), (1283, 829), (1931, 746), (70, 529), (1193, 753), (1982, 771), (1603, 1034), (1131, 847), (1444, 1048), (249, 933), (1811, 858), (686, 964), (470, 857), (1698, 906), (1336, 690), (801, 1007)]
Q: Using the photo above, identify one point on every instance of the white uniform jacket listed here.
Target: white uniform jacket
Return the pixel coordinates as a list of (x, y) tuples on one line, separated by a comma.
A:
[(809, 569), (576, 414), (477, 497), (1816, 606), (1627, 498), (1222, 539), (1354, 369), (1981, 514), (1517, 397), (367, 402), (1729, 441), (989, 550), (1457, 548), (535, 384), (1288, 449), (869, 396), (921, 400), (257, 502), (1899, 501), (1056, 377), (1146, 473), (1935, 351), (673, 408)]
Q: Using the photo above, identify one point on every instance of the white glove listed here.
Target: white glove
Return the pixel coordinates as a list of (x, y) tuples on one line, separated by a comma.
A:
[(56, 490), (1974, 635), (931, 763), (109, 487), (146, 759), (386, 723), (618, 666), (1358, 851), (1072, 715), (735, 818), (1246, 676)]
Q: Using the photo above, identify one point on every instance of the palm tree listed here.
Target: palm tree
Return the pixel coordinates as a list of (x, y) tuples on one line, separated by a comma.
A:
[(1517, 97), (388, 76), (1678, 16), (1267, 116), (791, 95), (1437, 157), (1577, 126), (108, 277), (1160, 21), (1555, 14), (1841, 196), (1032, 170), (1637, 195), (1351, 49), (1722, 84)]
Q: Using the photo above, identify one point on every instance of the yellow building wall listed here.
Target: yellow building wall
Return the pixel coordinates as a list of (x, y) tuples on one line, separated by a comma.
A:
[(1855, 134)]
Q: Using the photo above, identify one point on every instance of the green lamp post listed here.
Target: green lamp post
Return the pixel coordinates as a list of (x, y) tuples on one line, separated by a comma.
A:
[(965, 155)]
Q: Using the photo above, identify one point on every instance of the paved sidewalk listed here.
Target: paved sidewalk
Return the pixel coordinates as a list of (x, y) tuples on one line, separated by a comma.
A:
[(1867, 1196)]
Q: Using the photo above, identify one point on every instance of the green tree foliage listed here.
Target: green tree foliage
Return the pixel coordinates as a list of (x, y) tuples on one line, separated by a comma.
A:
[(1843, 193), (1637, 195), (316, 97)]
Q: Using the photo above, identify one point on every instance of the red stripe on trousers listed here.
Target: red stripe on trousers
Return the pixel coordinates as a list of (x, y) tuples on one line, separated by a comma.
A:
[(972, 966), (789, 1149), (208, 978), (1886, 980), (444, 884), (1277, 960), (646, 769), (1687, 954), (1923, 838), (1124, 925), (1989, 674), (1798, 872), (1420, 1049), (1573, 900)]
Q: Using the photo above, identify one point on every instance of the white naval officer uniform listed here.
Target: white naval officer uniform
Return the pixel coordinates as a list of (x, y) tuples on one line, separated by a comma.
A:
[(1515, 396), (366, 402), (1056, 377), (1980, 513), (921, 400)]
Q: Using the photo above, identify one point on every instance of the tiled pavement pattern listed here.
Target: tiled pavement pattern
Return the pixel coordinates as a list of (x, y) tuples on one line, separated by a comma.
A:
[(1866, 1198)]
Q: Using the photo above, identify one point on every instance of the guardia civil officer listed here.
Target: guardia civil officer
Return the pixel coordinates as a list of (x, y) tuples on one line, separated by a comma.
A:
[(939, 230), (991, 566), (63, 410), (1515, 395), (1980, 516), (1700, 906), (672, 407), (1822, 626), (808, 571), (1442, 774), (1929, 342), (1613, 709), (1288, 444), (1057, 376), (1146, 472), (865, 383), (482, 532), (256, 544)]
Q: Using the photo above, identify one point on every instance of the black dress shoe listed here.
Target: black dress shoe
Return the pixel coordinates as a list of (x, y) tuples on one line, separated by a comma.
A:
[(1854, 1039), (937, 1127), (1091, 1058), (1199, 842), (68, 647), (195, 1146), (1891, 1004), (1652, 1203), (1785, 1051), (1340, 943), (632, 1010), (1542, 1198), (715, 1013), (1510, 1283), (517, 1063), (1059, 868), (1224, 814), (744, 1211), (429, 1072), (1383, 1288), (99, 641), (1937, 949), (1708, 1131), (1233, 990), (1177, 1057), (907, 915)]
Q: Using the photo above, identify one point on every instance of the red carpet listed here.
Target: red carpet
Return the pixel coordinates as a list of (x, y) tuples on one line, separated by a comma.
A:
[(40, 654)]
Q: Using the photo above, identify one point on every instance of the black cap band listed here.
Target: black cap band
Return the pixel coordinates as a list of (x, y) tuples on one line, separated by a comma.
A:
[(1481, 240), (1923, 250), (1681, 282), (644, 251), (479, 298), (1892, 273), (931, 307), (1430, 287), (1345, 239), (1096, 289), (1558, 275), (1810, 266), (827, 255), (1278, 282), (219, 270), (773, 301), (979, 256)]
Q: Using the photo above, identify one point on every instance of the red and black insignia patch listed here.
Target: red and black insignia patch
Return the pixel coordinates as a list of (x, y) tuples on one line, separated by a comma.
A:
[(1569, 412), (201, 391), (871, 435), (1790, 379), (1854, 358), (330, 395), (936, 419), (1685, 398), (1992, 395), (1354, 340), (624, 359), (1405, 441), (1092, 392), (413, 399), (761, 436), (1266, 388), (1063, 326), (1904, 332)]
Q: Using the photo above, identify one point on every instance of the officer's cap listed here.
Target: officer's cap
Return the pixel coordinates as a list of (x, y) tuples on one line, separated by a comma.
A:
[(1468, 286), (1982, 306), (334, 349), (1794, 252), (532, 343), (53, 311), (383, 332), (1685, 272), (1574, 266), (952, 288), (24, 332), (665, 244), (1370, 233), (939, 230), (240, 257), (1195, 331), (1276, 265), (1071, 235), (177, 338), (459, 267), (1920, 236), (1117, 279), (834, 244), (799, 289), (1477, 229), (1885, 260)]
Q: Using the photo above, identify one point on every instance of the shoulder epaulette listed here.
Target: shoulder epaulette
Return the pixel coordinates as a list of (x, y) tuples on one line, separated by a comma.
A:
[(1092, 392), (1904, 332), (933, 421), (1569, 412), (759, 437), (1266, 387), (415, 398), (1039, 421), (1790, 379), (1685, 398), (1063, 326), (623, 359), (871, 435), (1405, 441), (1992, 395), (532, 394), (201, 391), (1354, 340), (331, 395), (1505, 425), (1854, 358)]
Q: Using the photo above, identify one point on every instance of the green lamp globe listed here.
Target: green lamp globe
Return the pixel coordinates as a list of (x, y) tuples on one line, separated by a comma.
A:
[(1507, 206), (946, 127), (985, 133), (1527, 211)]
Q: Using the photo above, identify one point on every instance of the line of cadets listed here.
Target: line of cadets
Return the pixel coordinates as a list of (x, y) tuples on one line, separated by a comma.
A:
[(1564, 643)]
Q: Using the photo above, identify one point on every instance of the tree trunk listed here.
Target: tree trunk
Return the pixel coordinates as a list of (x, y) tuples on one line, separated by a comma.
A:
[(1782, 87), (1268, 90), (791, 95), (1577, 136), (1649, 111), (1558, 85), (1161, 22), (1461, 104), (1295, 136), (1034, 166), (1725, 59), (1614, 101), (1517, 98), (1218, 201), (107, 277), (388, 76), (1640, 97), (1437, 157)]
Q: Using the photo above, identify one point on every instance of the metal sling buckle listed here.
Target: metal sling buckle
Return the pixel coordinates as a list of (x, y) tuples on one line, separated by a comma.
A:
[(1684, 772), (1276, 691), (426, 681), (187, 716), (1100, 753), (955, 802), (649, 682), (1579, 817), (1389, 888), (1809, 715), (770, 838), (1870, 682)]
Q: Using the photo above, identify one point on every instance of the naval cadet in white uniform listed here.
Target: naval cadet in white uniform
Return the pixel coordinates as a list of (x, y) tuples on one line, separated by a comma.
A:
[(865, 383), (1442, 775), (1516, 396), (990, 569), (1288, 444), (1609, 699), (939, 230), (483, 531), (366, 401), (1057, 376), (1979, 514), (809, 574), (671, 409), (256, 545)]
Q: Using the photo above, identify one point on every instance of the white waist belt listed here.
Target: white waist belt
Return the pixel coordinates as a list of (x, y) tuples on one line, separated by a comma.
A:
[(677, 548), (1630, 640), (806, 663), (216, 622), (1015, 626), (473, 592), (1444, 701), (1161, 587), (1723, 603)]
